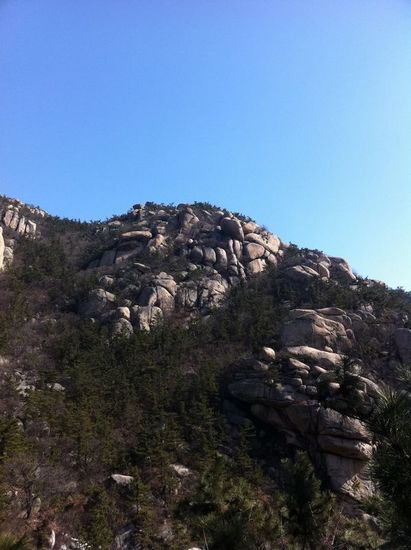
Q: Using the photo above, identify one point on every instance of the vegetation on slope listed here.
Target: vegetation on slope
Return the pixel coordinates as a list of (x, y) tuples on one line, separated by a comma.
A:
[(141, 406)]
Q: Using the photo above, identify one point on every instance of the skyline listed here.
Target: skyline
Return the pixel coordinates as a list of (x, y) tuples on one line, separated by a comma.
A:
[(296, 115)]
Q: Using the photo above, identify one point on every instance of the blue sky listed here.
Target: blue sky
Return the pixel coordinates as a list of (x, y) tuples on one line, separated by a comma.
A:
[(295, 112)]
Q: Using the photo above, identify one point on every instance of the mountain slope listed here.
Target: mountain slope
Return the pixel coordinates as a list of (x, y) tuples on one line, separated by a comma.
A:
[(158, 367)]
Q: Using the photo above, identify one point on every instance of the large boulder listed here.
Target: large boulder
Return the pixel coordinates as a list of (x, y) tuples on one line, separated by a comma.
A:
[(402, 340), (122, 327), (14, 223), (323, 270), (341, 270), (333, 423), (232, 228), (209, 255), (254, 251), (8, 217), (30, 228), (186, 218), (146, 317), (272, 261), (250, 227), (166, 281), (165, 299), (350, 448), (148, 296), (301, 273), (308, 328), (187, 295), (267, 354), (99, 300), (144, 235), (211, 292), (348, 476), (157, 244), (221, 259), (120, 479), (255, 266), (270, 242), (159, 295), (325, 359), (196, 254), (123, 312), (21, 228)]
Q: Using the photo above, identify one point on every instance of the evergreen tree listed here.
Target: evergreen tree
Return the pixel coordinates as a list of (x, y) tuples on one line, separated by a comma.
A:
[(309, 509), (97, 530), (391, 463), (11, 542)]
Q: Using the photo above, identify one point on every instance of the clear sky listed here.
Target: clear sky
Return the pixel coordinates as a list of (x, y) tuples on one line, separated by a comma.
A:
[(295, 112)]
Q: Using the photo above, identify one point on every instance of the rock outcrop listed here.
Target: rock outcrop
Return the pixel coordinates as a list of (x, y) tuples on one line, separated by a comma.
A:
[(293, 407), (208, 252), (402, 340), (318, 329), (14, 216), (301, 391), (15, 222)]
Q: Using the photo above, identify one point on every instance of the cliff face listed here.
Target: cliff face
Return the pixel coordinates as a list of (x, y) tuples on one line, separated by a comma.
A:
[(310, 371)]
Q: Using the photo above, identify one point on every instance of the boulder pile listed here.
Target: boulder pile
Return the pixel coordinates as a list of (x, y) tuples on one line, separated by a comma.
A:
[(206, 253)]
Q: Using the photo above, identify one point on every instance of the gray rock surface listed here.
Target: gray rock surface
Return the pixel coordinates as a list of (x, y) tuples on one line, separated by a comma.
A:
[(232, 228), (122, 327), (123, 480), (301, 273), (267, 354), (146, 317), (310, 328), (342, 271), (291, 406), (98, 302), (254, 251), (402, 340)]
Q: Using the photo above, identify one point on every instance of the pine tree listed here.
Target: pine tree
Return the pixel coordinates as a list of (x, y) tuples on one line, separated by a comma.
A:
[(97, 531), (309, 509), (391, 463)]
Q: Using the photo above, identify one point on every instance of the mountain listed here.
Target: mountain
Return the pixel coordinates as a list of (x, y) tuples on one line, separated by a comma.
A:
[(180, 377)]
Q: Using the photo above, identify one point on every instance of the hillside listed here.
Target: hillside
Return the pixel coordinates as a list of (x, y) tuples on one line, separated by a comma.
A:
[(178, 377)]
